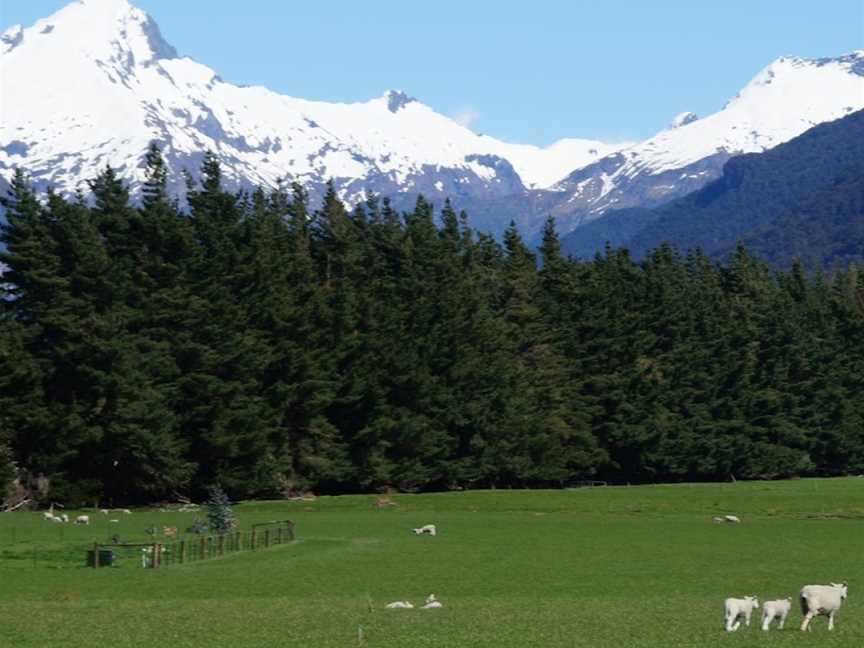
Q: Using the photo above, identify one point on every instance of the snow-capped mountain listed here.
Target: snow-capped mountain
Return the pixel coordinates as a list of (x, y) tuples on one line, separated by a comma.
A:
[(785, 99), (95, 83)]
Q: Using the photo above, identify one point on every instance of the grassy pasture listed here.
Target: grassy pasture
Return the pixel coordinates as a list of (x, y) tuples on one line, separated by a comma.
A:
[(606, 567)]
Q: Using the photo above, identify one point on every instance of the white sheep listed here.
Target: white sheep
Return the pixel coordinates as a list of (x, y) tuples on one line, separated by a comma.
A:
[(104, 511), (432, 603), (82, 519), (738, 607), (427, 529), (64, 517), (822, 600), (777, 609), (400, 605), (732, 518)]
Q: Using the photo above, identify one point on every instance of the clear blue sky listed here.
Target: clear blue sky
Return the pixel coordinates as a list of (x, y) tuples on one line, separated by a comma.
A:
[(523, 71)]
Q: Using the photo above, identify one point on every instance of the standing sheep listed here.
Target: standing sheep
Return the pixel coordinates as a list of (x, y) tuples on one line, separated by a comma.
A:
[(778, 609), (822, 600), (738, 607)]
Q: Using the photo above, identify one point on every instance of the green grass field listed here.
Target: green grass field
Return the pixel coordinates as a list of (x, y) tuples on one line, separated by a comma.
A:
[(606, 567)]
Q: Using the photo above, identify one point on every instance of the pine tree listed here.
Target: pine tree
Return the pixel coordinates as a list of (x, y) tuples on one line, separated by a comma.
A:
[(220, 516)]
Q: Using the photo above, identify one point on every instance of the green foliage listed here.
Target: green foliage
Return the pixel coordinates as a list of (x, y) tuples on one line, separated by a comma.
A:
[(260, 343)]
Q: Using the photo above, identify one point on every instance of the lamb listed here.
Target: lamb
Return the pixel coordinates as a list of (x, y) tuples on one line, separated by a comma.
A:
[(429, 529), (82, 519), (778, 609), (822, 600), (738, 607), (432, 603), (400, 605)]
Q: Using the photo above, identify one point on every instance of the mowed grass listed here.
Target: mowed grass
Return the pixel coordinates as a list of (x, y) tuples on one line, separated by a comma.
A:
[(605, 567)]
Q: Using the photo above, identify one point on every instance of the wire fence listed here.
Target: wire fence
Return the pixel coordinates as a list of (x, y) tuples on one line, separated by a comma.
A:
[(205, 547)]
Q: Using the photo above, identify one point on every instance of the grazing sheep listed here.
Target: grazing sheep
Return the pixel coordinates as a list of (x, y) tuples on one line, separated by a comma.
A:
[(55, 518), (429, 529), (822, 600), (400, 605), (778, 609), (432, 603), (64, 517), (126, 511), (732, 518), (82, 519), (104, 511), (48, 515), (738, 607)]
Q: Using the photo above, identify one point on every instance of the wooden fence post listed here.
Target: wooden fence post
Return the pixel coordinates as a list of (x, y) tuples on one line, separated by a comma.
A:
[(201, 549), (95, 555), (253, 539), (266, 538), (221, 545), (182, 551), (279, 535)]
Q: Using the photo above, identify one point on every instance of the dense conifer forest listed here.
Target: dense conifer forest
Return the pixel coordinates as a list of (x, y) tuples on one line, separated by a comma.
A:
[(269, 345)]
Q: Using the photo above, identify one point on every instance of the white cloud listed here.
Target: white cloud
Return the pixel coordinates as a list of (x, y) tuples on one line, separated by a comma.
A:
[(466, 117)]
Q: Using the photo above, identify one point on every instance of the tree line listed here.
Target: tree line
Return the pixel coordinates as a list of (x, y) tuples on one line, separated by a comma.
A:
[(251, 340)]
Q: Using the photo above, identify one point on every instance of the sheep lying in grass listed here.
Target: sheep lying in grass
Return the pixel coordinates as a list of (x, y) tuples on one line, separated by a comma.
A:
[(432, 603), (427, 529), (738, 607), (400, 605), (778, 609)]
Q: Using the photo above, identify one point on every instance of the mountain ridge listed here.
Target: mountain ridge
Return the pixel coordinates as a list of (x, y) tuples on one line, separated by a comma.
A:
[(392, 145)]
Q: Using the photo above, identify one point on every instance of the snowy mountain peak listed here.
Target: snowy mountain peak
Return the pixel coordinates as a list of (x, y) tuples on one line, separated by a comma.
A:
[(111, 31), (683, 119), (397, 99)]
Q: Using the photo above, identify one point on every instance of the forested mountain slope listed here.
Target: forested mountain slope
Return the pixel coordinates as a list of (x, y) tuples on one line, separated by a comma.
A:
[(816, 168)]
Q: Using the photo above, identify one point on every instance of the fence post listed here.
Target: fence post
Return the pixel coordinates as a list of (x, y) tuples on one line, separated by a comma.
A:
[(221, 545), (238, 541), (279, 535), (290, 526), (253, 539), (95, 554), (201, 549), (182, 551), (266, 538)]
